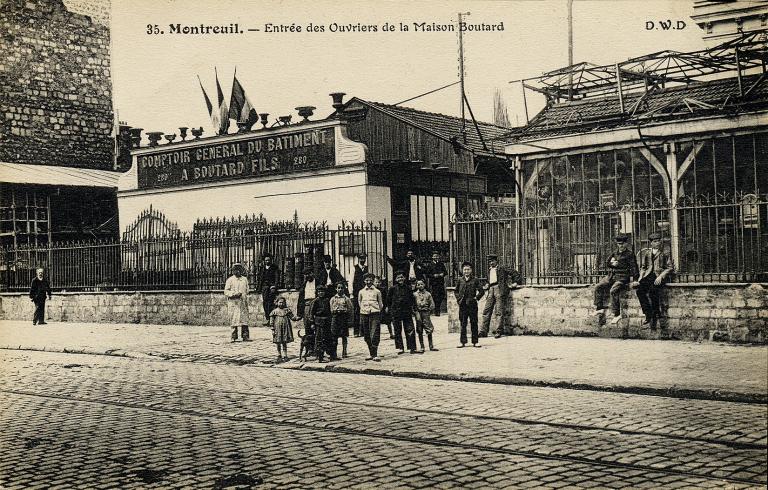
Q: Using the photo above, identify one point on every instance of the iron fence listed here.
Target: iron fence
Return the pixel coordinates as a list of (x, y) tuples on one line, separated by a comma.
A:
[(199, 260), (712, 239)]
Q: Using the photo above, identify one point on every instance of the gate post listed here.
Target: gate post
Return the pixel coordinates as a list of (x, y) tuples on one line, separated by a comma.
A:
[(674, 225), (451, 267)]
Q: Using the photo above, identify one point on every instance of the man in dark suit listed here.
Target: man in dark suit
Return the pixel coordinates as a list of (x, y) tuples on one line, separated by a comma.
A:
[(655, 266), (329, 275), (468, 291), (267, 282), (361, 269), (436, 273), (38, 291), (500, 281)]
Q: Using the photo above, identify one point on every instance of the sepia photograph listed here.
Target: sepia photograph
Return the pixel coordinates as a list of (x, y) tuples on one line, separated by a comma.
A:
[(359, 244)]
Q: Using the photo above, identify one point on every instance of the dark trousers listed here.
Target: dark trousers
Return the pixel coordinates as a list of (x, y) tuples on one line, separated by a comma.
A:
[(356, 325), (39, 316), (324, 339), (612, 284), (268, 301), (438, 296), (648, 294), (245, 332), (370, 327), (468, 312), (401, 323)]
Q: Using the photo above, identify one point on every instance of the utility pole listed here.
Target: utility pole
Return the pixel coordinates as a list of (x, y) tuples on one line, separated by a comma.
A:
[(462, 96), (570, 49)]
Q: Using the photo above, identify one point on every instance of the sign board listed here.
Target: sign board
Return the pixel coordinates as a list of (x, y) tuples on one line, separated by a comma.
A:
[(233, 160)]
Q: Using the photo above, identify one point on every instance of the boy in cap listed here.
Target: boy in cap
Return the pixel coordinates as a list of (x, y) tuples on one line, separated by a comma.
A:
[(342, 314), (423, 311), (623, 269), (371, 304), (236, 291), (321, 317), (655, 266), (400, 304)]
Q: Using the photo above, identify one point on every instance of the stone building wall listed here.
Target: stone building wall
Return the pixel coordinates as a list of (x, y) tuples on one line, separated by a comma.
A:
[(56, 97), (698, 312), (151, 307)]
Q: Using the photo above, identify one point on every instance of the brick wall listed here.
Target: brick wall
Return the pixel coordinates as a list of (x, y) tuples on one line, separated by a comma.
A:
[(718, 312), (56, 97), (153, 307)]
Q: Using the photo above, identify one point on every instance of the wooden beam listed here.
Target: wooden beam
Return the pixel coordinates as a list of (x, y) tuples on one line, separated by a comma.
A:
[(689, 160), (660, 167)]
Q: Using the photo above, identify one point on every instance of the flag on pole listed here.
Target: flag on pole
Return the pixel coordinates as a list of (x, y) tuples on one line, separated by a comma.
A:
[(240, 108), (222, 110), (211, 114)]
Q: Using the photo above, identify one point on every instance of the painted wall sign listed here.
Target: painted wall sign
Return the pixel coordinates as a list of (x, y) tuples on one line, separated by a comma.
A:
[(243, 159)]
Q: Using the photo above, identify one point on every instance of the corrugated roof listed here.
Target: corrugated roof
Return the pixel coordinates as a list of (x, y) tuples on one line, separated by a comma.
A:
[(19, 173), (681, 102), (447, 127)]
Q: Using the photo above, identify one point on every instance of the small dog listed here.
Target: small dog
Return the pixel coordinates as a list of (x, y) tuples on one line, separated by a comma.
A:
[(307, 347)]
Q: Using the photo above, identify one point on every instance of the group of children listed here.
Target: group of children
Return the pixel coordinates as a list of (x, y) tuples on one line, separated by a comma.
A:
[(330, 316)]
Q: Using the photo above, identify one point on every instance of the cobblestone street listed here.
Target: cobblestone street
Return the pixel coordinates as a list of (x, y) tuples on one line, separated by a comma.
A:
[(74, 420), (689, 369)]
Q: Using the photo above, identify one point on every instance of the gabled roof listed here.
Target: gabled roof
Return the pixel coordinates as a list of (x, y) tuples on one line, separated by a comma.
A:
[(446, 127), (692, 100)]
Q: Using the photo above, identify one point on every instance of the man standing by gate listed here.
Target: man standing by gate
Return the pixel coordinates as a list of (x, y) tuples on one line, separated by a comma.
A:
[(361, 270), (436, 276), (267, 281), (500, 281)]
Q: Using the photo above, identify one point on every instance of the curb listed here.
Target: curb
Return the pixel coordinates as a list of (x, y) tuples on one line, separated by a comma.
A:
[(672, 392)]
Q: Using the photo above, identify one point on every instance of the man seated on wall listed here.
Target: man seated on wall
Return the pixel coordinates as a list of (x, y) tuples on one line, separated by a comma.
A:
[(623, 269), (655, 267)]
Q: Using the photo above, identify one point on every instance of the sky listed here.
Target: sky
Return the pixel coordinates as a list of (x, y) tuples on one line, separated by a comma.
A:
[(155, 80)]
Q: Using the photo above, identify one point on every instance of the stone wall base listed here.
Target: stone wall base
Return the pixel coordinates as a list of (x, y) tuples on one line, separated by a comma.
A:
[(698, 312), (147, 307)]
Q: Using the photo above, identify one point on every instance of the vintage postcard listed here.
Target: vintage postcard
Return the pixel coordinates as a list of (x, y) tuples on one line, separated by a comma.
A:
[(383, 244)]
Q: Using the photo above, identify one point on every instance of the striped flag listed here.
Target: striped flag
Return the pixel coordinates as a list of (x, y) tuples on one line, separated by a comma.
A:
[(211, 114), (222, 110), (240, 108)]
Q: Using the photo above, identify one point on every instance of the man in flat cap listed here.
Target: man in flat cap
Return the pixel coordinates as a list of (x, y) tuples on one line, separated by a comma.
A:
[(267, 282), (500, 281), (358, 283), (236, 292), (622, 270), (655, 266)]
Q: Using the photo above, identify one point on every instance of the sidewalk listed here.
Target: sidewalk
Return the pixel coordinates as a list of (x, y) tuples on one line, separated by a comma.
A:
[(686, 369)]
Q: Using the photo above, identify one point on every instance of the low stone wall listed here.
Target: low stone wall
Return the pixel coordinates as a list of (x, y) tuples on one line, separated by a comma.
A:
[(718, 312), (148, 307)]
